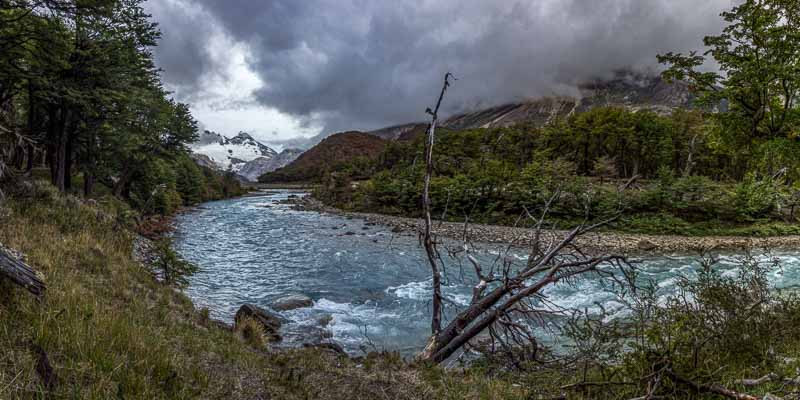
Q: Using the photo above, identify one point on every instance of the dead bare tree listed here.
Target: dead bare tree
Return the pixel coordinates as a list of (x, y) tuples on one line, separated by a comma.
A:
[(508, 299), (501, 298), (430, 249)]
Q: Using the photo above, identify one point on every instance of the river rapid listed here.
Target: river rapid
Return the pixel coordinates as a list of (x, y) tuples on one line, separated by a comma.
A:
[(371, 283)]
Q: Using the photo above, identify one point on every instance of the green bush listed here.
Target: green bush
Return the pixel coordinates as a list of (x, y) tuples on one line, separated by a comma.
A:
[(755, 198)]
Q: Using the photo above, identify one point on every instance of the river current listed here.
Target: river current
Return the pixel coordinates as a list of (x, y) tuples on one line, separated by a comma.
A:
[(373, 284)]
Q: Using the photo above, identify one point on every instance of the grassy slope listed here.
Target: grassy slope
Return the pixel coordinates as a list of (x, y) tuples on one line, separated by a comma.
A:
[(110, 331)]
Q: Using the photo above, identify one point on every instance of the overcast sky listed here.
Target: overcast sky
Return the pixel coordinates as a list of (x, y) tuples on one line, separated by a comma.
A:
[(287, 69)]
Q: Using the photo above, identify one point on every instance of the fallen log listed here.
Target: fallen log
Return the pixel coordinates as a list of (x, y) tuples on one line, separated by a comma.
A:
[(16, 270)]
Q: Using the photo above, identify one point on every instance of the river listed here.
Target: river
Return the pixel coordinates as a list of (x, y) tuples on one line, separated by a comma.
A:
[(375, 284)]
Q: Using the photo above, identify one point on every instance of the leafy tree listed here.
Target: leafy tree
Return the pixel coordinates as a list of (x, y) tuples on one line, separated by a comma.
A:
[(756, 86)]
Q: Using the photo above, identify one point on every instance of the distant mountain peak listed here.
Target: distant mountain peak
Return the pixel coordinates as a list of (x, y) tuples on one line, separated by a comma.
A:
[(241, 154)]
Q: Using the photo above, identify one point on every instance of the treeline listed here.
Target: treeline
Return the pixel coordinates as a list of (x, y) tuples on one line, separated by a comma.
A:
[(81, 96), (680, 178)]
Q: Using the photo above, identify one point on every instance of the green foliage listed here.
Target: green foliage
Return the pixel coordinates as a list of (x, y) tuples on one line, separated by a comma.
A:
[(79, 91), (757, 84), (756, 198), (335, 188), (175, 270), (682, 182)]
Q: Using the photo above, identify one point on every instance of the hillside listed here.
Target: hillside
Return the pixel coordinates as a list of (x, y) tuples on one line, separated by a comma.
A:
[(333, 153), (401, 133), (627, 89)]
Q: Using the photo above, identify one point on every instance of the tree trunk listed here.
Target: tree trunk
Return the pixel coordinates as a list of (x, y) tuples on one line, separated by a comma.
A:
[(51, 148), (120, 187), (88, 169), (31, 155), (430, 250), (62, 151), (20, 273), (61, 162), (68, 159)]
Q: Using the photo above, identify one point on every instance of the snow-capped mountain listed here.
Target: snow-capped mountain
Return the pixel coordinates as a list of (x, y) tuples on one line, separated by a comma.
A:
[(255, 168), (241, 154), (231, 153)]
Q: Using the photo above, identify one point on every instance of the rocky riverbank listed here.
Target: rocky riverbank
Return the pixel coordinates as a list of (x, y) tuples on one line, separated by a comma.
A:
[(595, 242)]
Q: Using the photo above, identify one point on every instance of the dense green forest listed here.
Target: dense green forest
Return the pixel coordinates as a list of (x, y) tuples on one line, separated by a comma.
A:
[(730, 165), (681, 177), (81, 98)]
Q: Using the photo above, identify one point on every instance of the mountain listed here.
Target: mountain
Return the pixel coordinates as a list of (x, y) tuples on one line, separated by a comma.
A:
[(242, 154), (332, 153), (261, 165), (628, 89), (401, 133)]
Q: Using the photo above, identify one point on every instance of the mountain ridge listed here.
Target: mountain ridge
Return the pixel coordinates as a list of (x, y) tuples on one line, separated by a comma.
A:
[(331, 153), (241, 154)]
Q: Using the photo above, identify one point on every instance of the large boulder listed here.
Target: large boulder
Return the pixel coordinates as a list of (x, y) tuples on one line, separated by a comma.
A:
[(292, 302), (270, 321)]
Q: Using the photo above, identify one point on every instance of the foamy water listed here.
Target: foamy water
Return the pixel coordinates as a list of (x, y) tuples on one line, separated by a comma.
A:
[(374, 284)]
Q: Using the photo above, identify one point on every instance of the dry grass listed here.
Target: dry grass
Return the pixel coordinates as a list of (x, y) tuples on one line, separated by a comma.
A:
[(252, 332), (108, 330)]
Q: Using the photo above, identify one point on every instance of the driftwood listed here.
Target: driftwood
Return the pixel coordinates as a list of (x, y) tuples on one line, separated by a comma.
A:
[(20, 273)]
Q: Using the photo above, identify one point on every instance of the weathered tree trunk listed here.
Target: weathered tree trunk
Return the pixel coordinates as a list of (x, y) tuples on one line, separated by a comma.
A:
[(430, 250), (20, 273)]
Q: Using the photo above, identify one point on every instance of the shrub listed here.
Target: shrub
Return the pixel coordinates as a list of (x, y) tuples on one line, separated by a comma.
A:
[(252, 332), (755, 198), (175, 269)]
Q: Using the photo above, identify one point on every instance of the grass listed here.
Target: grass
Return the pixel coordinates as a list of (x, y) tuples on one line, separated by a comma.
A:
[(109, 330)]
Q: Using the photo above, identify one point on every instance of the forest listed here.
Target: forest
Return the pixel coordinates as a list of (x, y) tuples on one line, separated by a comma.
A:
[(681, 174), (82, 104)]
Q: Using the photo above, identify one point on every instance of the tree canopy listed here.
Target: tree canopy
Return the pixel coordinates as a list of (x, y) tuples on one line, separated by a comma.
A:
[(80, 93)]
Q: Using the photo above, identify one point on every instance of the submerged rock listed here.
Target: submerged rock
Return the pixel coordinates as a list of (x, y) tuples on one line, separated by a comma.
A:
[(292, 302), (271, 322), (325, 320)]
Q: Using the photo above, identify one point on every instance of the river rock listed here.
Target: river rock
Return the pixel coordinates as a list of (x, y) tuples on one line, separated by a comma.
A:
[(270, 321), (292, 302), (325, 320), (646, 245)]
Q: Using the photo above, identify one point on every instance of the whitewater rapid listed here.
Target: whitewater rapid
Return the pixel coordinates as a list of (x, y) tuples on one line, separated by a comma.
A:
[(373, 285)]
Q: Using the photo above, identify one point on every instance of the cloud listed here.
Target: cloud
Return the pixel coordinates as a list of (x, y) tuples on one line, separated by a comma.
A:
[(360, 64)]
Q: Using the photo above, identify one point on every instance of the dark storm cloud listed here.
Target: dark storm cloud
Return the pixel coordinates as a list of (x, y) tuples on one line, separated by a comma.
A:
[(183, 51), (359, 64)]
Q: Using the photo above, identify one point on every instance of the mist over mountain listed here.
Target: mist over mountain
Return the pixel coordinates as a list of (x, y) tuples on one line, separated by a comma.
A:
[(349, 64)]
